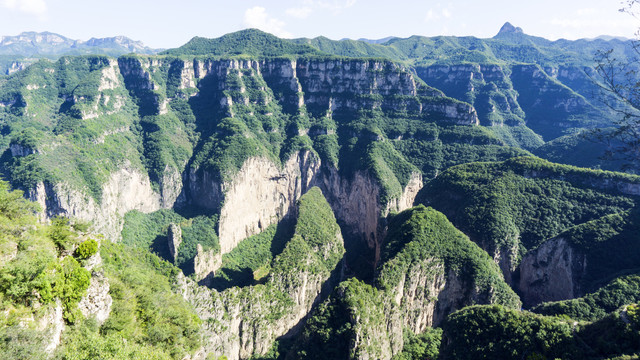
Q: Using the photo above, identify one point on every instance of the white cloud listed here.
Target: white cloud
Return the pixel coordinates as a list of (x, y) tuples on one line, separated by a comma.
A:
[(335, 6), (32, 7), (437, 14), (431, 15), (299, 12), (257, 17)]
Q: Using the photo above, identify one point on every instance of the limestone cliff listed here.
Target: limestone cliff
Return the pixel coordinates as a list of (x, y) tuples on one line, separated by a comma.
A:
[(159, 88), (260, 195), (205, 264), (485, 86), (551, 272), (174, 237), (97, 301), (125, 190), (241, 322), (421, 280)]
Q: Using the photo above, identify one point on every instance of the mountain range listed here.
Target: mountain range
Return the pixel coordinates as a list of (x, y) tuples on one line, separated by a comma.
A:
[(252, 197)]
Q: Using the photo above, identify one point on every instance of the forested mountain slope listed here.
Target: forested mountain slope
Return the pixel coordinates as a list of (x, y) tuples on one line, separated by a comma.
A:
[(256, 197)]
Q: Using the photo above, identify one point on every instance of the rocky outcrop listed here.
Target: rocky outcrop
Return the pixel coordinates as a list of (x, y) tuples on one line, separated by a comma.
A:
[(259, 195), (262, 194), (110, 78), (174, 237), (52, 322), (420, 293), (507, 258), (241, 322), (328, 86), (485, 86), (97, 301), (21, 150), (205, 264), (126, 189), (17, 66), (356, 202), (551, 272), (138, 80)]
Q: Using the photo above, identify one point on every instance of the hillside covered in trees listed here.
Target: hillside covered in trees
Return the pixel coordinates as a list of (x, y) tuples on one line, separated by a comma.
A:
[(252, 197)]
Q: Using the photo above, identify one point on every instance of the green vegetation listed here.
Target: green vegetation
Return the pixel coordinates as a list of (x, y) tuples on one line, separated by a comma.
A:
[(252, 42), (582, 149), (422, 233), (145, 309), (493, 332), (73, 123), (316, 228), (147, 320), (62, 122), (84, 341), (425, 346), (146, 230), (252, 257), (331, 328), (610, 245), (35, 273), (621, 291), (150, 231), (312, 254), (86, 249), (355, 310), (523, 201)]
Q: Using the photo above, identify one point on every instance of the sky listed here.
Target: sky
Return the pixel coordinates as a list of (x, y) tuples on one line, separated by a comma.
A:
[(167, 24)]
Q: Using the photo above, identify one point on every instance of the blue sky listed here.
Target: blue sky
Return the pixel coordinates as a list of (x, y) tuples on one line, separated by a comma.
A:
[(166, 24)]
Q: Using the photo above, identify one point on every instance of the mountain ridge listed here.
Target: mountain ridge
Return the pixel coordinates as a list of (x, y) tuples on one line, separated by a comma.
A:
[(254, 197)]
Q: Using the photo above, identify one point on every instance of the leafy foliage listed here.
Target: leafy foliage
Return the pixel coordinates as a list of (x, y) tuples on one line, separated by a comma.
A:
[(251, 257), (251, 42), (422, 233), (523, 201), (425, 346), (86, 249), (145, 309), (621, 291), (493, 332), (489, 332)]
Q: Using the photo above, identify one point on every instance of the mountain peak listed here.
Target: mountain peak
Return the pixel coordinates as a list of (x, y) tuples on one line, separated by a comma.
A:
[(508, 28)]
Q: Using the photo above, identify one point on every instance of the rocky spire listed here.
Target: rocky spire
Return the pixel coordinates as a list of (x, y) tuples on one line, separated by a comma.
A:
[(508, 28)]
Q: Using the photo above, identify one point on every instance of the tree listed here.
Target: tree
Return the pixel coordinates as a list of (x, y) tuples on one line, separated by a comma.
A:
[(618, 78)]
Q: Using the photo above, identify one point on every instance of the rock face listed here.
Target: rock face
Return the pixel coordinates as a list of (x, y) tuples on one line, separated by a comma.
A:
[(174, 237), (53, 321), (417, 293), (241, 322), (97, 301), (261, 194), (421, 281), (205, 264), (507, 28), (487, 87), (551, 272), (21, 150), (541, 95), (127, 189)]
